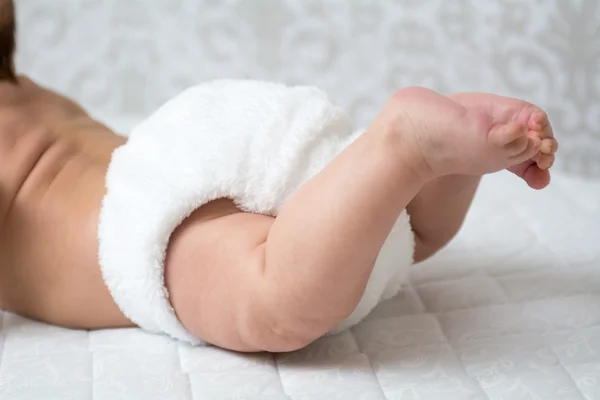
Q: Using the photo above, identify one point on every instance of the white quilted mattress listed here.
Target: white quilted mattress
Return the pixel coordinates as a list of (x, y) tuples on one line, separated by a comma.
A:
[(511, 310)]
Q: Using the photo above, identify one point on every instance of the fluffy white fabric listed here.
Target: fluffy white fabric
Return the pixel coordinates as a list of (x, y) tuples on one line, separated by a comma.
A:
[(254, 142)]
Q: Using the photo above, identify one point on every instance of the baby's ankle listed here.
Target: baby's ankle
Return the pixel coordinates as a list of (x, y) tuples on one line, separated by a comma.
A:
[(395, 137)]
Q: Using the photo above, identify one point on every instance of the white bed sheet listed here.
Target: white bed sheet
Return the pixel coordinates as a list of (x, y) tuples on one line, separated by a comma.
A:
[(511, 310)]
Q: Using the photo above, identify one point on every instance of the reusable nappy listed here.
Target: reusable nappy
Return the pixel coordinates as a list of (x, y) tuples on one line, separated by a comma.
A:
[(253, 142)]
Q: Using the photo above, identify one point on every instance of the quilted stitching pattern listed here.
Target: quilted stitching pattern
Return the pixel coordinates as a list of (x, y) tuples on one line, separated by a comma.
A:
[(511, 310)]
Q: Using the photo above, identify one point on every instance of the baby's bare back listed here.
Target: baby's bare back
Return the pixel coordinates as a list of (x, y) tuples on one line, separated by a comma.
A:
[(53, 162)]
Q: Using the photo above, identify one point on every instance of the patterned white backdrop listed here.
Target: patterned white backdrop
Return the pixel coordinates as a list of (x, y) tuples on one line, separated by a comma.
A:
[(124, 58)]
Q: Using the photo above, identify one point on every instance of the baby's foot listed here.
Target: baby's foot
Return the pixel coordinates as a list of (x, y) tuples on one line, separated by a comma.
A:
[(504, 109), (453, 139)]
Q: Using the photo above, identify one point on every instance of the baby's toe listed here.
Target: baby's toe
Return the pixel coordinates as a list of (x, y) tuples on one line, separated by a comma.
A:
[(517, 146), (538, 121), (545, 161), (529, 151), (508, 134), (536, 177), (549, 146)]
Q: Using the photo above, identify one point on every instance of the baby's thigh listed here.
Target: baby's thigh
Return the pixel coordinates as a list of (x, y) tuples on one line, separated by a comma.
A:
[(213, 272)]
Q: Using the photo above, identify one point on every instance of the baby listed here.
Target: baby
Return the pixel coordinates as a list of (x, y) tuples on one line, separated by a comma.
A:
[(248, 215)]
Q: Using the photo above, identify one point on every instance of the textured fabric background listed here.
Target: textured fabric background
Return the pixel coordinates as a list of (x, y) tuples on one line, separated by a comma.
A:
[(125, 58)]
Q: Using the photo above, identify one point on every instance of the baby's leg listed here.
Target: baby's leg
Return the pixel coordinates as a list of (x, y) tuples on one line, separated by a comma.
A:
[(438, 211), (250, 282), (277, 284)]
